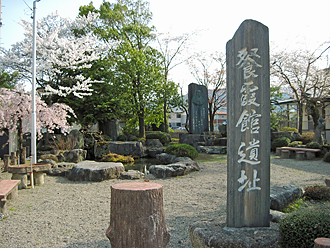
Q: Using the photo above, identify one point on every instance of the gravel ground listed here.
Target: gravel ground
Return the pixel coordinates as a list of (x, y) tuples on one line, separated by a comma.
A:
[(61, 213)]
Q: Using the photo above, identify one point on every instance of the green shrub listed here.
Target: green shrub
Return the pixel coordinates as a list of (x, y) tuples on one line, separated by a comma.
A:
[(113, 157), (300, 228), (307, 137), (289, 129), (317, 193), (164, 138), (280, 142), (326, 157), (313, 145), (294, 206), (182, 150), (295, 144), (122, 137)]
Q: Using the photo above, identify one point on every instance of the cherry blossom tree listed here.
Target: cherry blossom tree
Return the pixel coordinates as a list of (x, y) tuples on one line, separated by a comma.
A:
[(65, 49), (15, 114)]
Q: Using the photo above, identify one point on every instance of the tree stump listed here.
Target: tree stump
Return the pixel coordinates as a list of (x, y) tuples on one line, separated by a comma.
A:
[(321, 243), (137, 217)]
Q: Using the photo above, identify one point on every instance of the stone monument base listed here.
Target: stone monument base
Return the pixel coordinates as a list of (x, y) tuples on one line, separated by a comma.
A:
[(215, 234)]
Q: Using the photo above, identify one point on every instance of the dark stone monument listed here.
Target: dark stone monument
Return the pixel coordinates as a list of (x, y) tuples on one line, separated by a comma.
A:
[(198, 109), (248, 144)]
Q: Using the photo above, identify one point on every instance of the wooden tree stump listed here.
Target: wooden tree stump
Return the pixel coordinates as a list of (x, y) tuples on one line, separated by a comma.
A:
[(321, 243), (137, 217)]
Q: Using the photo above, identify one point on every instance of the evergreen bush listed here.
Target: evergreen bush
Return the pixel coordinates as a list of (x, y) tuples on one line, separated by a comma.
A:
[(280, 142), (164, 138), (313, 145), (307, 137), (295, 144), (289, 129), (182, 150), (317, 193), (300, 228)]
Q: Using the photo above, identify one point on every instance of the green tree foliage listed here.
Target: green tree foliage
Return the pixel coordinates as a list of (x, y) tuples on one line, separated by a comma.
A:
[(136, 65), (8, 80)]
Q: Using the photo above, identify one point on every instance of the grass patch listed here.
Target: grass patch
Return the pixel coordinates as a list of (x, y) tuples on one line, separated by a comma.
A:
[(211, 158)]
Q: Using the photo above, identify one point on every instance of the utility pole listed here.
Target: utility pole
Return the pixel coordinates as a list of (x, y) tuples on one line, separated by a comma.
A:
[(33, 116), (0, 20)]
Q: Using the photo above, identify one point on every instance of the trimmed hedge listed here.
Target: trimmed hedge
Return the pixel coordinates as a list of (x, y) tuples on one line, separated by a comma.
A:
[(313, 145), (289, 129), (280, 142), (182, 150), (299, 229), (307, 137), (164, 138)]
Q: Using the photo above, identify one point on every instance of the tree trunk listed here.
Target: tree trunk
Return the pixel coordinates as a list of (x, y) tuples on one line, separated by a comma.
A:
[(165, 116), (21, 151), (137, 217), (141, 126), (300, 117)]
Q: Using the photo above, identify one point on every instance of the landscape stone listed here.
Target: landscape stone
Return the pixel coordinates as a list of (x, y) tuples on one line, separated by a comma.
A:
[(276, 216), (166, 158), (154, 143), (131, 175), (281, 197), (161, 171), (75, 155), (127, 148), (58, 171), (153, 152), (47, 161), (212, 149), (327, 182), (95, 171), (77, 138), (215, 234), (182, 166)]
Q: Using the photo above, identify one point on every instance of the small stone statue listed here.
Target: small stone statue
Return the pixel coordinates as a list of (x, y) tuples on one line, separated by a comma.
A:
[(318, 132)]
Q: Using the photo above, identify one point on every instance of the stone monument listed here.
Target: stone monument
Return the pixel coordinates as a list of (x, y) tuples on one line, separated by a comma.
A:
[(248, 144), (198, 109)]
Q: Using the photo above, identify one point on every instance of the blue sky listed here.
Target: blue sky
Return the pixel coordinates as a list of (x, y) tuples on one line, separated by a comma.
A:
[(291, 23)]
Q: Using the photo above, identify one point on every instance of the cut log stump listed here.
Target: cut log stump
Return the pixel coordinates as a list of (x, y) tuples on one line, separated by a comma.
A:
[(137, 218), (321, 243)]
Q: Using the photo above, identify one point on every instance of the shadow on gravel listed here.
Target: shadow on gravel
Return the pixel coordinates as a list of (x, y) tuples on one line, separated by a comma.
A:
[(317, 166)]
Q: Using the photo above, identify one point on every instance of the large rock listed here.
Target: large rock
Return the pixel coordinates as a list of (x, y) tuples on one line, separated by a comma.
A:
[(281, 197), (154, 143), (166, 158), (75, 155), (153, 151), (215, 234), (77, 139), (131, 175), (127, 148), (95, 171), (161, 171), (212, 149), (182, 166)]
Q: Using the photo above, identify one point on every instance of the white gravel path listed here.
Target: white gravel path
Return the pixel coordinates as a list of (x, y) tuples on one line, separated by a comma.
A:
[(61, 213)]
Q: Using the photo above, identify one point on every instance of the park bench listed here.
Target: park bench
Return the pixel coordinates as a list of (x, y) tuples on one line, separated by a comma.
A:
[(299, 153), (8, 190)]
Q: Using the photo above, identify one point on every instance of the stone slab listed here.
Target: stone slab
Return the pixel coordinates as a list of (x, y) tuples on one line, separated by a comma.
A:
[(95, 171), (215, 234)]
